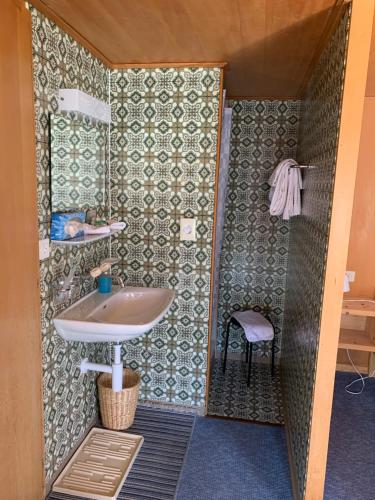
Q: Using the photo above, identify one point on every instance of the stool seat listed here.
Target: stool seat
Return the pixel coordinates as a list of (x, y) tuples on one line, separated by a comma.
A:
[(257, 328), (255, 325)]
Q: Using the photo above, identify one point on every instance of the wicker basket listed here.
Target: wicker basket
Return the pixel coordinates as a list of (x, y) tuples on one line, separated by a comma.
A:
[(117, 409)]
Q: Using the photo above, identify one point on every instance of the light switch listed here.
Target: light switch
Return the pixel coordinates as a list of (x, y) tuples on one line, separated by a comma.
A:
[(43, 249), (187, 229)]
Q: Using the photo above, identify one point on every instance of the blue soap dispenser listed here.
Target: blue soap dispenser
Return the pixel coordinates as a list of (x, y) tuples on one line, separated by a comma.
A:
[(105, 283), (105, 279)]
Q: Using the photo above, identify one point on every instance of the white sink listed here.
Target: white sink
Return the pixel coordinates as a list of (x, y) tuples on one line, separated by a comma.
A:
[(123, 314)]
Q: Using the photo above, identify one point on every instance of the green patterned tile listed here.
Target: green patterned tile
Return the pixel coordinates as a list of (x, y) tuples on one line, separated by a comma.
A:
[(164, 140), (308, 242), (69, 398)]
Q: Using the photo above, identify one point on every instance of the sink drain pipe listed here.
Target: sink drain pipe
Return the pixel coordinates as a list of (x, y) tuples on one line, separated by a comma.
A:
[(115, 369)]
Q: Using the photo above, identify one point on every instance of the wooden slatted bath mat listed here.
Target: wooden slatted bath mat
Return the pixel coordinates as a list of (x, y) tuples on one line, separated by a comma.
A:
[(99, 467)]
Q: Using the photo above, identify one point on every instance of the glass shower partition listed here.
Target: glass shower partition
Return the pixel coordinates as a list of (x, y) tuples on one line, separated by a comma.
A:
[(220, 218)]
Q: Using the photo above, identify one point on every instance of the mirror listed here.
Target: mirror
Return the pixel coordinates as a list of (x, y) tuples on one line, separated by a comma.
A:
[(78, 154)]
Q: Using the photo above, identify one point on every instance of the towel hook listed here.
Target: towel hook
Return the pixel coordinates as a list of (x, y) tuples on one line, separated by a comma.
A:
[(303, 166)]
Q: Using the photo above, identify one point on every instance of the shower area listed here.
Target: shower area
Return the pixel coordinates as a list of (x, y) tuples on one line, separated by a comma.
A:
[(251, 256)]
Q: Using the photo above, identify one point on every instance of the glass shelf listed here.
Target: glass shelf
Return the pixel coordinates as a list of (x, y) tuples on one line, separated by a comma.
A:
[(84, 240)]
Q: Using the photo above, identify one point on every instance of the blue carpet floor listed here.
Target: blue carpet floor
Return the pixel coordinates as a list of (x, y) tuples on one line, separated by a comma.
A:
[(229, 460), (350, 470)]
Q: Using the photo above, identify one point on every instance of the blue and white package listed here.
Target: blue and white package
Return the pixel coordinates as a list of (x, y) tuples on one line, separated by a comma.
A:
[(67, 225)]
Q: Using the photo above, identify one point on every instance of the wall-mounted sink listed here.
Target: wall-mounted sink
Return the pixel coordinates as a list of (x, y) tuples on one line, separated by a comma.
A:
[(123, 314)]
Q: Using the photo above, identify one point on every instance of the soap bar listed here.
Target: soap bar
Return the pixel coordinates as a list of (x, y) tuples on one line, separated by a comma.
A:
[(105, 266), (94, 273), (67, 225)]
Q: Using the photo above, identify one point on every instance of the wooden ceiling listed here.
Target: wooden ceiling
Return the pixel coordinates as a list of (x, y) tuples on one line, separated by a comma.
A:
[(269, 45)]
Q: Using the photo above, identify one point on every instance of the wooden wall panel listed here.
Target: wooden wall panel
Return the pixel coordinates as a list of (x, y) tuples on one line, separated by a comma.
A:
[(362, 233), (269, 44), (370, 86), (21, 448)]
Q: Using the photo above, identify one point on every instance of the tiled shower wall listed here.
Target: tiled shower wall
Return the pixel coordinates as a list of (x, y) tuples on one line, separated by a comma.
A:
[(164, 136), (255, 247), (308, 244), (69, 398)]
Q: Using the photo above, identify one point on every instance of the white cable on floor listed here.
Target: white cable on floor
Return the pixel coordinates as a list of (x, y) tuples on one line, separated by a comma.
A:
[(361, 377)]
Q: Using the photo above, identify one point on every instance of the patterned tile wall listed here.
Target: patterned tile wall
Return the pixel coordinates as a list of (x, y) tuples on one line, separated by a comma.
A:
[(308, 243), (255, 248), (164, 138), (69, 397)]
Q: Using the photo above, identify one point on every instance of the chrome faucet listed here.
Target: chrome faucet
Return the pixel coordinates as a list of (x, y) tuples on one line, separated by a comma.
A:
[(119, 280), (64, 287)]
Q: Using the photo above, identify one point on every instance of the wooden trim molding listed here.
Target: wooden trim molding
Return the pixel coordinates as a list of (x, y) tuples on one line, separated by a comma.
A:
[(261, 98), (347, 157), (51, 14), (217, 172), (169, 65)]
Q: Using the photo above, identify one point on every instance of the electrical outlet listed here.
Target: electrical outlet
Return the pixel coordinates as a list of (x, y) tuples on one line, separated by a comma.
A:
[(351, 276), (43, 249)]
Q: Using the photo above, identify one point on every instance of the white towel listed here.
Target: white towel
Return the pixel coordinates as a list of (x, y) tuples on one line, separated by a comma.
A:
[(255, 325), (87, 229), (285, 194), (119, 226)]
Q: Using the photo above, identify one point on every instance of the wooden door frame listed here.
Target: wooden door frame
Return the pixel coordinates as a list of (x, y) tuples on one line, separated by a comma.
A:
[(346, 167), (21, 408)]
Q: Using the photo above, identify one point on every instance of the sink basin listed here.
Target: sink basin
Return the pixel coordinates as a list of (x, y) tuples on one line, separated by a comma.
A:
[(123, 314)]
